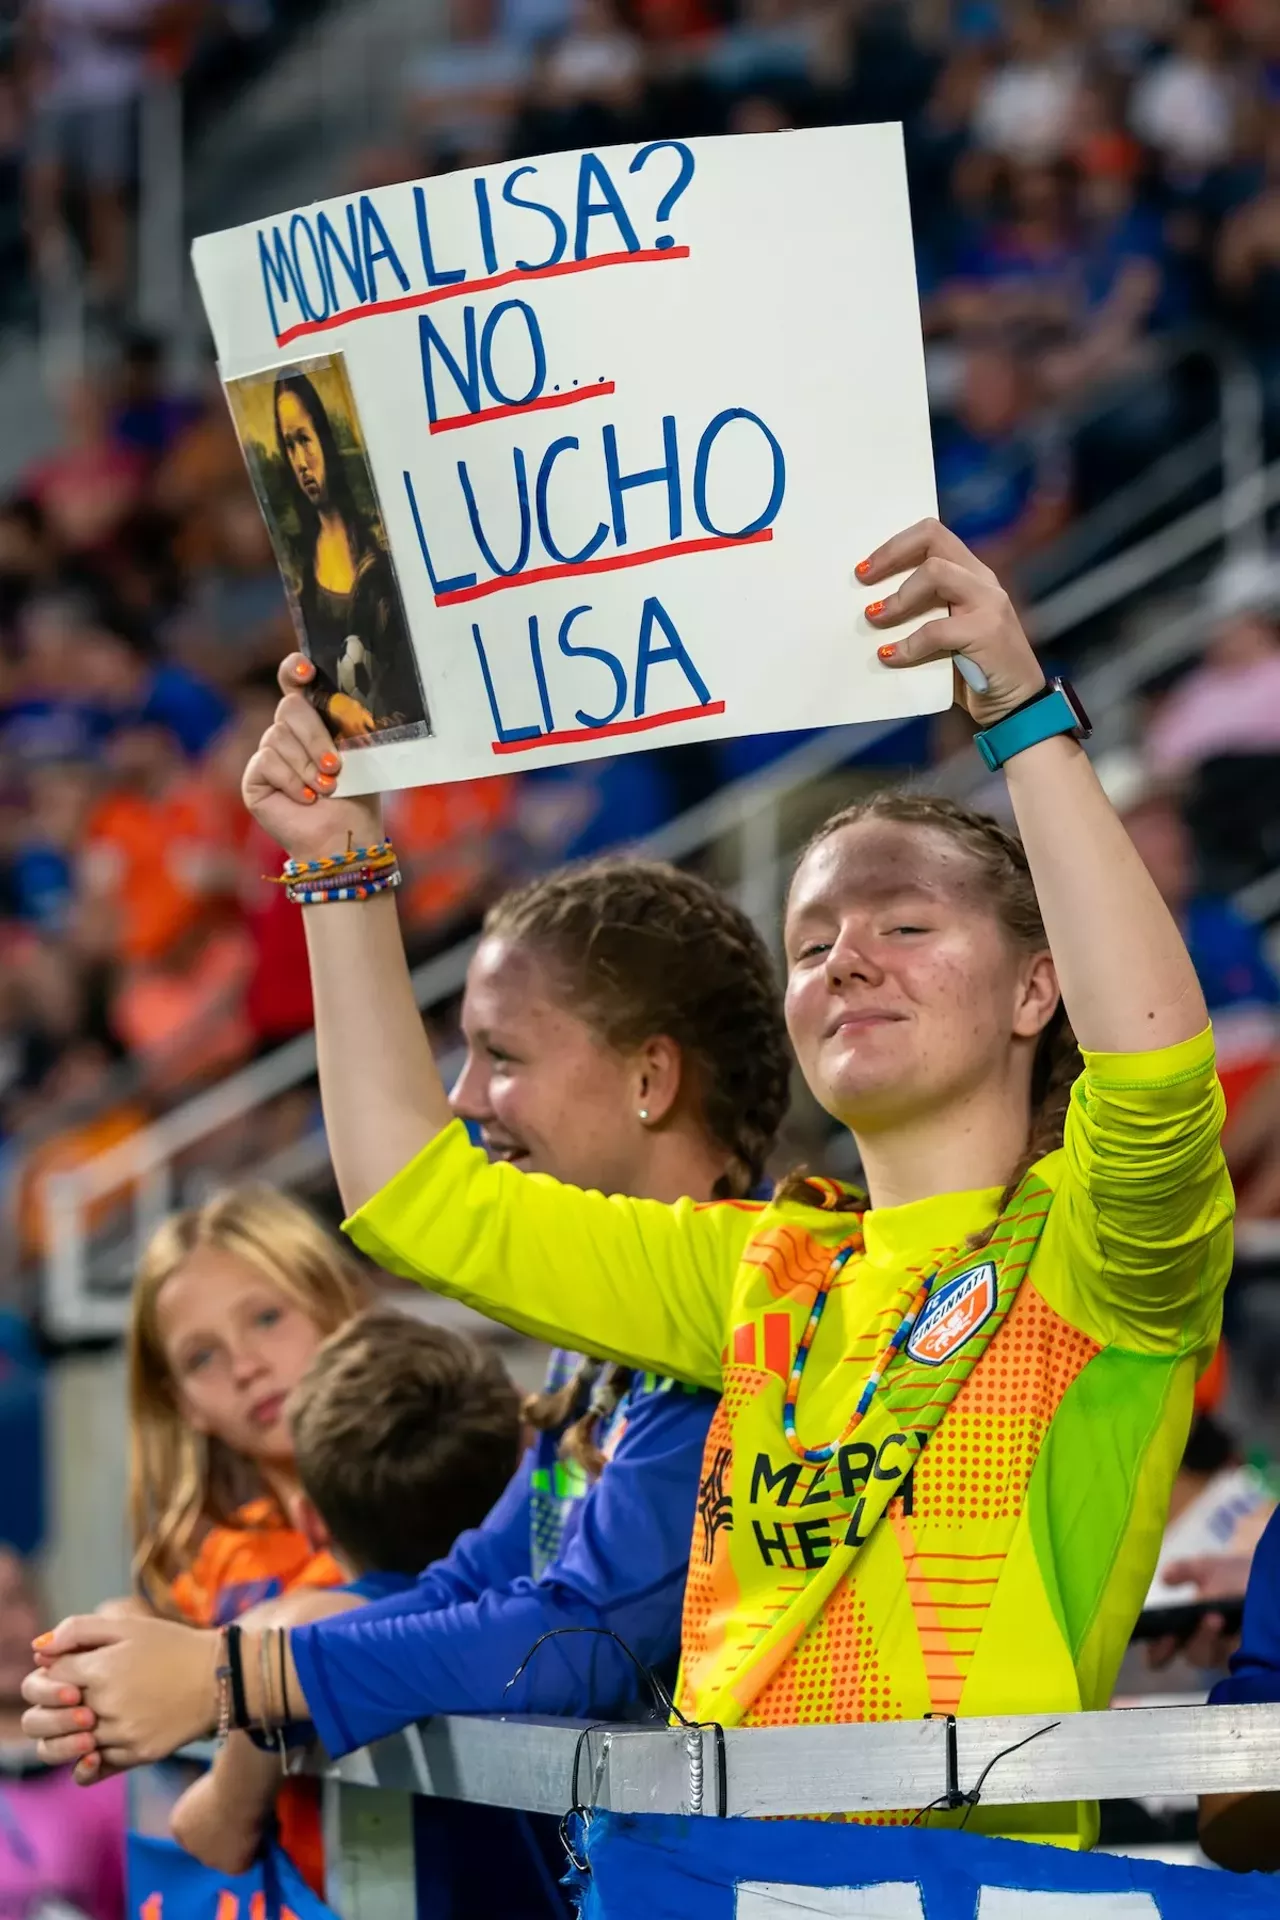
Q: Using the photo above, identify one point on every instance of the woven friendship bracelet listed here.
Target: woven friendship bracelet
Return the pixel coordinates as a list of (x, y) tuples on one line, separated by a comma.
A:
[(382, 852)]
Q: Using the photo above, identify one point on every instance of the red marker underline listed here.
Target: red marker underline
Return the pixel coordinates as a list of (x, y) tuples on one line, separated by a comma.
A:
[(610, 564), (459, 289), (574, 735), (526, 406)]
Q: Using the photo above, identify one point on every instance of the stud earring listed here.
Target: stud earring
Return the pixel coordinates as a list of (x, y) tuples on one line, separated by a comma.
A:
[(644, 1113)]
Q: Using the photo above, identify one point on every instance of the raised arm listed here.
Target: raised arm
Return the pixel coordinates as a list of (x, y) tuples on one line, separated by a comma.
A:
[(383, 1097), (1125, 974)]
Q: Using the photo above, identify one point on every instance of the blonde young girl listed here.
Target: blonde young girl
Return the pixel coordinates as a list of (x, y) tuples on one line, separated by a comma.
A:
[(231, 1301)]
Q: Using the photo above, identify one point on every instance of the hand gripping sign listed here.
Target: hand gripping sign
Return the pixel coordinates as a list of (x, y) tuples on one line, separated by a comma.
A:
[(576, 455)]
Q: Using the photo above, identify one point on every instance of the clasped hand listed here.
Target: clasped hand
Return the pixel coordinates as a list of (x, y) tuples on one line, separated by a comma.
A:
[(107, 1694)]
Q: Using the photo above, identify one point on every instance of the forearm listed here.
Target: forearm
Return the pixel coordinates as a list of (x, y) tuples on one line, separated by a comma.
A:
[(382, 1095), (1125, 974), (244, 1781)]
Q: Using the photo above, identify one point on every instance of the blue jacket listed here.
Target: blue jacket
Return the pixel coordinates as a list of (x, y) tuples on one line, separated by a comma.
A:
[(1255, 1670), (453, 1641)]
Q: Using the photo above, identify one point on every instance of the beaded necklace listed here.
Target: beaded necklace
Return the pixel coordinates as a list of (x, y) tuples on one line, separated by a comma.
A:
[(817, 1456)]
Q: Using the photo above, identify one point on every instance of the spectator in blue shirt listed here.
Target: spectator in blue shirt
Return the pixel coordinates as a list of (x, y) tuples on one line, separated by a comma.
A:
[(1242, 1830), (1002, 485)]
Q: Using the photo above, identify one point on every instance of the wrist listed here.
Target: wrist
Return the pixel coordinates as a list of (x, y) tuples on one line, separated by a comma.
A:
[(999, 708)]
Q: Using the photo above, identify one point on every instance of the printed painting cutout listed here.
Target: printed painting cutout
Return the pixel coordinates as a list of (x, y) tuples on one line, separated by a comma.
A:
[(954, 1315), (305, 449)]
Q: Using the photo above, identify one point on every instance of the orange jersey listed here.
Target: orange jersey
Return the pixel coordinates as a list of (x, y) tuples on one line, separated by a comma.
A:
[(236, 1568), (239, 1566)]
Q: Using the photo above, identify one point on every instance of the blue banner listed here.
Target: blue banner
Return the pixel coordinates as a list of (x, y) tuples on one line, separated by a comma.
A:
[(165, 1883), (644, 1865)]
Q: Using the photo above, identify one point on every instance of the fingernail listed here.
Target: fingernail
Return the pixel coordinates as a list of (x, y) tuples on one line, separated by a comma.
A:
[(44, 1640), (69, 1697), (888, 651), (85, 1717), (326, 782), (862, 569), (875, 609), (308, 794), (305, 670), (329, 763)]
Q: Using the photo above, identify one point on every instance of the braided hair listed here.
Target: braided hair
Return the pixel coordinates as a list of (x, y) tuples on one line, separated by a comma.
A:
[(1002, 861), (637, 948)]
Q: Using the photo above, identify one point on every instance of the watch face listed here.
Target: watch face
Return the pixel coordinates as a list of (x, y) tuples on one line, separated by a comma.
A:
[(1073, 700)]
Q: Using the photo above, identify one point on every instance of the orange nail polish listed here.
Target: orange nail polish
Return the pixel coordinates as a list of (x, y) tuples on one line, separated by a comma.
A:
[(69, 1697), (862, 569), (308, 794), (326, 782), (305, 670), (44, 1640), (888, 651), (85, 1717), (329, 763), (875, 609)]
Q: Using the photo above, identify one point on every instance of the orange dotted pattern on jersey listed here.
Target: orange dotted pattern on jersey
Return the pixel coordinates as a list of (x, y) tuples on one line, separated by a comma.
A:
[(835, 1673), (711, 1591), (790, 1260), (978, 1467)]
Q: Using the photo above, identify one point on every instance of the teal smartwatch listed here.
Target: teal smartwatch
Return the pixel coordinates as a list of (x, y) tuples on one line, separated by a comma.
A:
[(1055, 709)]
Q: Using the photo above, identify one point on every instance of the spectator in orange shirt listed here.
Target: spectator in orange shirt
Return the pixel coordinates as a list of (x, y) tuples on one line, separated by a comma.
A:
[(231, 1301), (147, 863)]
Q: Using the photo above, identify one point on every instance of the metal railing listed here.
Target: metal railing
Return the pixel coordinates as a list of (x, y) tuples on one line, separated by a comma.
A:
[(142, 1170), (1126, 1753)]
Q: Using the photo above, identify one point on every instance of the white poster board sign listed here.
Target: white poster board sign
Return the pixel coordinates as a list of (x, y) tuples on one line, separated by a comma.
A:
[(572, 456)]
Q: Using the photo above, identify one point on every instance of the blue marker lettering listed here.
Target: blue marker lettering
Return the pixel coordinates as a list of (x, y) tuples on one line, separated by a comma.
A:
[(278, 272), (559, 231), (467, 380), (535, 346), (486, 225), (539, 674), (438, 587), (606, 660), (597, 539), (705, 445), (654, 614), (504, 734), (371, 229), (526, 518), (592, 171), (350, 262), (316, 309), (436, 276), (620, 483)]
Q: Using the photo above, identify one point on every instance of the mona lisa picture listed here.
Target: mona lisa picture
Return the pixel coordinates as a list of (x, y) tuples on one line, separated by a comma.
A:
[(301, 437)]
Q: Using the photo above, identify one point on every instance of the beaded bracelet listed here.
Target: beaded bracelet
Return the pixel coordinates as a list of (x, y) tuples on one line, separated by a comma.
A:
[(331, 882), (364, 890)]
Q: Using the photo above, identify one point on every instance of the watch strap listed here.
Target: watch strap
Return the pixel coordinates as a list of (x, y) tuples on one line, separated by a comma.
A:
[(1049, 712)]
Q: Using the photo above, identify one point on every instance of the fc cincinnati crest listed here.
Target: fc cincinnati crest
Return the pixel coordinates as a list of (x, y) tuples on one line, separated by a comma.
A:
[(954, 1315)]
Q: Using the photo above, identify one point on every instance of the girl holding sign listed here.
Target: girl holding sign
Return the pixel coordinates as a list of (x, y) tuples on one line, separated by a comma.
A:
[(953, 1406)]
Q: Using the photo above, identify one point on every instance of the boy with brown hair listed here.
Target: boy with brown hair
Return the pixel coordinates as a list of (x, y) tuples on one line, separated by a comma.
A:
[(405, 1434)]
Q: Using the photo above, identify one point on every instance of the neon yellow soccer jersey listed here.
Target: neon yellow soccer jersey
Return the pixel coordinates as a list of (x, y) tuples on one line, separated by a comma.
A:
[(981, 1543)]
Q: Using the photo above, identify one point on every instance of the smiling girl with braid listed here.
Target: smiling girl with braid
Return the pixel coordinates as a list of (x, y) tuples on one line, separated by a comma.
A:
[(953, 1406)]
